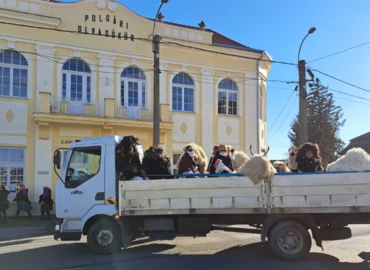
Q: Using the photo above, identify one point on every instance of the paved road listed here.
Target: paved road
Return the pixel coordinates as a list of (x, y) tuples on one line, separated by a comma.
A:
[(220, 250)]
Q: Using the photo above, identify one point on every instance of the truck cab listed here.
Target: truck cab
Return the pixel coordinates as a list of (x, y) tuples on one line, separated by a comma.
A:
[(87, 187)]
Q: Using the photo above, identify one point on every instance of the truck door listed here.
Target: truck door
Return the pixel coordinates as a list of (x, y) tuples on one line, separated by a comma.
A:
[(84, 181)]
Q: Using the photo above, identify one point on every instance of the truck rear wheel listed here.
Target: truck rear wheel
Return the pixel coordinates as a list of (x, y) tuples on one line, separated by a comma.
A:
[(290, 240), (104, 237)]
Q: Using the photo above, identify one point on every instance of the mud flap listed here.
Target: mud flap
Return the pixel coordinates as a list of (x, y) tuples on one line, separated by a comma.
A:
[(126, 233)]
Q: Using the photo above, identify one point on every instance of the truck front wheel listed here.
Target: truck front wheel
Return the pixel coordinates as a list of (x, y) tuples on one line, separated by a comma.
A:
[(104, 237), (290, 240)]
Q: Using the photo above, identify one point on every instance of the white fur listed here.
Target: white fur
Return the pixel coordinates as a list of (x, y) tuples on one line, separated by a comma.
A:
[(355, 159), (258, 168), (286, 169), (240, 159)]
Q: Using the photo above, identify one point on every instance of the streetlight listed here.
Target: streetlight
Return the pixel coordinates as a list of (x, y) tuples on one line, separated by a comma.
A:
[(310, 31), (156, 109), (303, 132)]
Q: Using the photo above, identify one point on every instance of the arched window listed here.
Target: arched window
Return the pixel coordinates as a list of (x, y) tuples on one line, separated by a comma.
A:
[(76, 81), (13, 74), (182, 93), (227, 98), (133, 88)]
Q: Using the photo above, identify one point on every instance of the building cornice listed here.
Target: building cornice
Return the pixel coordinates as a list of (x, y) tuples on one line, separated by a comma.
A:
[(32, 19), (97, 121)]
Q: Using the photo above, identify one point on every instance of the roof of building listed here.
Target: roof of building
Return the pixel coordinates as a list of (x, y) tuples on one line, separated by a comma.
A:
[(365, 136), (362, 141), (217, 38), (364, 145)]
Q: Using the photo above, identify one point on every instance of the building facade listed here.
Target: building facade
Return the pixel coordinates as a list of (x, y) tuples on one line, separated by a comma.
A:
[(77, 70)]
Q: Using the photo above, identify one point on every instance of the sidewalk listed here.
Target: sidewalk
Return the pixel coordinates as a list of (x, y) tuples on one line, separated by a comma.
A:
[(24, 227)]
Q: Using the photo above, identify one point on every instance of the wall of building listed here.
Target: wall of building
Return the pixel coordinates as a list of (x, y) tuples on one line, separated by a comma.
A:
[(27, 124)]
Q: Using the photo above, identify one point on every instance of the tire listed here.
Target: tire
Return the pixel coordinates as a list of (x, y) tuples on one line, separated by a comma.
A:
[(104, 237), (290, 240)]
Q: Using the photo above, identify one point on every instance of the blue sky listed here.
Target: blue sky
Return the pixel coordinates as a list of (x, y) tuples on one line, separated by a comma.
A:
[(279, 27)]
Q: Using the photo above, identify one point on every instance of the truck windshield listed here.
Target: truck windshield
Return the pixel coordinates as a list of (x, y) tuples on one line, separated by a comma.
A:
[(84, 164)]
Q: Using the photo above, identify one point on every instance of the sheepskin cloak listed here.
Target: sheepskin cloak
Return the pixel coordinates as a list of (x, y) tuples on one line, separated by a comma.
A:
[(258, 168), (240, 159), (355, 159)]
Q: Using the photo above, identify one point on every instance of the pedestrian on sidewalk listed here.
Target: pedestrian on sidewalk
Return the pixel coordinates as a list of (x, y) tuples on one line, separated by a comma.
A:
[(4, 203), (23, 203), (47, 203)]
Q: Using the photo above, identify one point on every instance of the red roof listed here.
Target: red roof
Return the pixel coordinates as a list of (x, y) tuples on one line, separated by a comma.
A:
[(217, 38)]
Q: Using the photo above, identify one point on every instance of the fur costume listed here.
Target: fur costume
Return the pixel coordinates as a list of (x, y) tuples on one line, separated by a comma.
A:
[(299, 162), (240, 159), (128, 158), (355, 159), (156, 163), (258, 168), (201, 157), (281, 167)]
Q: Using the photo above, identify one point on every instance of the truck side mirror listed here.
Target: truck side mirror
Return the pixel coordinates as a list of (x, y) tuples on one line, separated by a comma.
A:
[(57, 159)]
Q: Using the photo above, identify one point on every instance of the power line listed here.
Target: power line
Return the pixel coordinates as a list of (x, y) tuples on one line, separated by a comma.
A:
[(228, 54), (330, 76), (350, 95), (237, 79), (234, 78), (354, 101), (284, 119), (282, 110), (333, 54), (148, 40)]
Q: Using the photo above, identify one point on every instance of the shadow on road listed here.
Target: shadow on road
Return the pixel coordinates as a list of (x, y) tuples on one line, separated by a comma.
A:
[(15, 243), (252, 256)]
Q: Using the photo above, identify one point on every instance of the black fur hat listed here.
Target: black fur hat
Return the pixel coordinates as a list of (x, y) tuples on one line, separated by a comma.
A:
[(313, 147)]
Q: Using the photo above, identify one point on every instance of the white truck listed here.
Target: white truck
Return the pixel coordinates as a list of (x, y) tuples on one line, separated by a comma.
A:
[(90, 201)]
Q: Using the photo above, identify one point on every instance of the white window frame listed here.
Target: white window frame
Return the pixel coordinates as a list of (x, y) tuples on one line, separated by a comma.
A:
[(125, 81), (9, 165), (183, 86), (84, 75), (227, 92), (11, 75)]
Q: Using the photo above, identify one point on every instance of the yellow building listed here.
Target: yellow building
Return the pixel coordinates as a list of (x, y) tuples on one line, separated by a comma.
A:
[(58, 86)]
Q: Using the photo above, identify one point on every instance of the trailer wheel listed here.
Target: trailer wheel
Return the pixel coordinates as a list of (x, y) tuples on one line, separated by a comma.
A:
[(104, 237), (290, 241)]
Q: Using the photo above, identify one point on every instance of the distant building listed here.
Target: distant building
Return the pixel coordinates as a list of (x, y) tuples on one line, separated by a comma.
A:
[(362, 141)]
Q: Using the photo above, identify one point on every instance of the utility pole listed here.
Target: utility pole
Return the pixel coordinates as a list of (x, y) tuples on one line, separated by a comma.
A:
[(303, 133), (156, 106), (156, 39)]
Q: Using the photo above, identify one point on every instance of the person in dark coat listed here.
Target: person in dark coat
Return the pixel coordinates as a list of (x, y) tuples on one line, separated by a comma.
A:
[(128, 159), (187, 163), (305, 158), (215, 150), (4, 203), (155, 162), (226, 160), (47, 203), (23, 203)]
